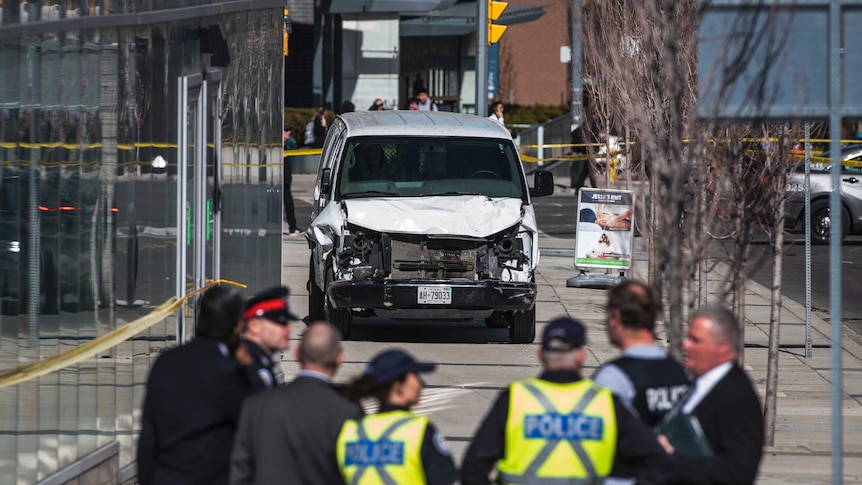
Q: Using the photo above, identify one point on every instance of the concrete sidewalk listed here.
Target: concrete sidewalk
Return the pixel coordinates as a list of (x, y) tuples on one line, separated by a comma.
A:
[(802, 453)]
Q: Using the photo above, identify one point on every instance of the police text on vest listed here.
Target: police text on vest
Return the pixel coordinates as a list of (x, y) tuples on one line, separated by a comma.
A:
[(374, 453), (570, 427)]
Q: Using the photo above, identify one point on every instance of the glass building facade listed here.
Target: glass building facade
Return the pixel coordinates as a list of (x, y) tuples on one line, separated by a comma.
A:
[(140, 158)]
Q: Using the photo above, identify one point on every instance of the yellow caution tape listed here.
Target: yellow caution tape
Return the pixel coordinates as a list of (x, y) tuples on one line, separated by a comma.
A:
[(531, 159), (302, 151), (85, 351)]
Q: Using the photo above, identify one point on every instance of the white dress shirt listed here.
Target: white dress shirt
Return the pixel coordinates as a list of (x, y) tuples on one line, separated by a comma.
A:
[(704, 384)]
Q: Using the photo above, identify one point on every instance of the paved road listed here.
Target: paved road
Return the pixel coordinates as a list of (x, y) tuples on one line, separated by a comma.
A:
[(476, 362), (793, 284)]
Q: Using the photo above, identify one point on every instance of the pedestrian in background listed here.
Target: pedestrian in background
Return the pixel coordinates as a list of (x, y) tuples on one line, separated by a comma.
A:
[(288, 435), (645, 378), (289, 212), (319, 127), (267, 319), (393, 446), (724, 401), (347, 107), (193, 399), (497, 112), (413, 104), (425, 103), (559, 428), (578, 168), (377, 105)]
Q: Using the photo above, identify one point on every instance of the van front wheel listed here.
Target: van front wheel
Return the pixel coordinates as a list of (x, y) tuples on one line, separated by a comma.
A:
[(522, 326)]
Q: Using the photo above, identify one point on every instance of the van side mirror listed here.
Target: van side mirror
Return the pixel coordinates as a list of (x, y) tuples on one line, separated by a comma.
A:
[(543, 184), (325, 181)]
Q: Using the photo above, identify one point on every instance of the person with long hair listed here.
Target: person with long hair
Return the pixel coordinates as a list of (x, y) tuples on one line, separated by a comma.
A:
[(393, 446)]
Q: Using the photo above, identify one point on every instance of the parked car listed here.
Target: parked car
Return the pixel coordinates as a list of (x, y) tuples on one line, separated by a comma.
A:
[(821, 186), (424, 216)]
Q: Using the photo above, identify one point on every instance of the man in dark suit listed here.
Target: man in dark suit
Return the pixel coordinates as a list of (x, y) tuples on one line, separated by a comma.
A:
[(288, 435), (193, 399), (723, 401)]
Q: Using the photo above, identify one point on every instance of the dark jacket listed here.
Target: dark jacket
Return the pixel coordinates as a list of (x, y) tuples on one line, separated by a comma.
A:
[(288, 435), (635, 442), (192, 404), (261, 372), (732, 420), (319, 132), (658, 384)]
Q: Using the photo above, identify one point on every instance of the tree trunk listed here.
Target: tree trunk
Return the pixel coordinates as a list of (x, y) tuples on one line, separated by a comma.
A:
[(774, 326)]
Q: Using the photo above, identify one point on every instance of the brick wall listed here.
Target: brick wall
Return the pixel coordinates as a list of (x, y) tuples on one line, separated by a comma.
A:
[(530, 67)]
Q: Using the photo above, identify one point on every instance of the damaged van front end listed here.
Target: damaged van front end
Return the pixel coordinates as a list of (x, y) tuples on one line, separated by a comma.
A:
[(426, 248)]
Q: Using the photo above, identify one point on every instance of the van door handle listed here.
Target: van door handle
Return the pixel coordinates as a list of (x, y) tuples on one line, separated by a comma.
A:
[(852, 180)]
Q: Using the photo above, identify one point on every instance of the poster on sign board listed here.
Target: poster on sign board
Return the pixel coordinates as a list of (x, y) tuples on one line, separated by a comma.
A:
[(605, 233)]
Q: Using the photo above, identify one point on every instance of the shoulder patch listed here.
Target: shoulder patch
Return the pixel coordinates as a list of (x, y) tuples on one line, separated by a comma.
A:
[(266, 377), (441, 444)]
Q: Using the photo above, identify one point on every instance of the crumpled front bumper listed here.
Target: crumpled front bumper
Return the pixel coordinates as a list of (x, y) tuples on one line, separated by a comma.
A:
[(403, 294)]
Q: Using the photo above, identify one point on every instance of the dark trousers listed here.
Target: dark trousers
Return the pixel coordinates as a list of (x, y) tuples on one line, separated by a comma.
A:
[(578, 173), (289, 214)]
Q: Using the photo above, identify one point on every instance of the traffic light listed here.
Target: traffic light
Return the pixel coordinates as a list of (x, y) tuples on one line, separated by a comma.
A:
[(288, 27), (495, 9)]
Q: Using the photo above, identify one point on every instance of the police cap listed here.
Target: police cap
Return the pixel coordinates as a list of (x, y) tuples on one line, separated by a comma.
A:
[(270, 304), (563, 334), (390, 365)]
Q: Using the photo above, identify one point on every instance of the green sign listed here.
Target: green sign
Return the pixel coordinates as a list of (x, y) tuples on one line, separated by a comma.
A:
[(209, 219), (190, 222)]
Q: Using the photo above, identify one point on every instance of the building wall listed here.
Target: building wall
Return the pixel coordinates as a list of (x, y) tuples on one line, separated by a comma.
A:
[(89, 224), (371, 60), (530, 67)]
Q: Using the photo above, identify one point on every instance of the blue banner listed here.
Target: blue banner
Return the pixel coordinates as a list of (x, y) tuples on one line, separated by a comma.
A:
[(493, 68)]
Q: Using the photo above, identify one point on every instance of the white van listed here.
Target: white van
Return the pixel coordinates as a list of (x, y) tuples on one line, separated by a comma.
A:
[(424, 216)]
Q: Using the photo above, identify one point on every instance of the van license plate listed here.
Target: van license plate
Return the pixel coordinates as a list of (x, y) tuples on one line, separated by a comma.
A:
[(434, 295)]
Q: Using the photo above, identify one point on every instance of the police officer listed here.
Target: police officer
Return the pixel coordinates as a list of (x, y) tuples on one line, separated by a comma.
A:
[(393, 446), (559, 428), (267, 330), (645, 376)]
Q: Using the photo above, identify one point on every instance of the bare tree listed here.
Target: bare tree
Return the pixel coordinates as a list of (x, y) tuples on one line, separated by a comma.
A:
[(640, 59), (712, 188)]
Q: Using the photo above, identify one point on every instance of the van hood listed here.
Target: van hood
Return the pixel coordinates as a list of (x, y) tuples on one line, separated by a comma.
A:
[(464, 215)]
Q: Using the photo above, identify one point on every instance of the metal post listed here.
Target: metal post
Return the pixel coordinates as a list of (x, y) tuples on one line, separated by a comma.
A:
[(482, 58), (575, 41), (807, 240), (33, 216), (182, 154), (834, 237), (540, 141)]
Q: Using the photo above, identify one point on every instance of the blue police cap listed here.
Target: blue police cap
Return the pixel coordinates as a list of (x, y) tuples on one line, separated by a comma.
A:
[(563, 334), (390, 365)]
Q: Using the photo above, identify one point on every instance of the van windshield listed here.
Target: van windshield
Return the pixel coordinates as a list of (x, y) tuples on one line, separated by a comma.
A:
[(426, 166)]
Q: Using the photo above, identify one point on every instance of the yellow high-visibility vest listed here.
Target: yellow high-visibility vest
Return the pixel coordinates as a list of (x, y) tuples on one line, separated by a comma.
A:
[(382, 449), (558, 433)]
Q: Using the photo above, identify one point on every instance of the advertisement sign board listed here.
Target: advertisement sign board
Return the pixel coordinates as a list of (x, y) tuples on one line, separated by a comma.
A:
[(605, 233)]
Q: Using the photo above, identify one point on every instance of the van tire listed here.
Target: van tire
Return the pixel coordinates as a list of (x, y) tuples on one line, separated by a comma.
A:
[(338, 317), (315, 297), (522, 326)]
